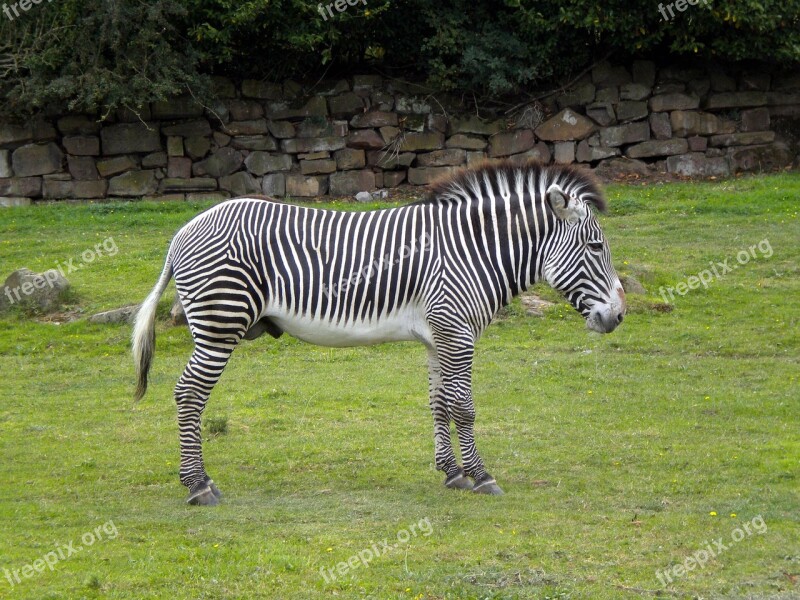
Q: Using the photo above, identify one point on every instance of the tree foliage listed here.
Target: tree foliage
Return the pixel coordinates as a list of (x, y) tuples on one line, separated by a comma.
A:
[(99, 55)]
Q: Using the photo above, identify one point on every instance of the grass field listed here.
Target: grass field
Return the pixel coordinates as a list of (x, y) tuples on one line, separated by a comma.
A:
[(621, 456)]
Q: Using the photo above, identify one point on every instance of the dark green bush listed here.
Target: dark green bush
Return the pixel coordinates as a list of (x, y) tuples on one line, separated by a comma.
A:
[(104, 54)]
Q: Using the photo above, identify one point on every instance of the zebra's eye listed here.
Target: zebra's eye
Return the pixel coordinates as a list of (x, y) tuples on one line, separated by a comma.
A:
[(595, 246)]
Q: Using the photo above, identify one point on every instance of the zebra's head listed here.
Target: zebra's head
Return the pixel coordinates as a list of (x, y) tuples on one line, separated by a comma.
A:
[(577, 261)]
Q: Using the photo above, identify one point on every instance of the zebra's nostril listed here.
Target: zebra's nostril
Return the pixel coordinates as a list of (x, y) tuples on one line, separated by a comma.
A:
[(620, 316)]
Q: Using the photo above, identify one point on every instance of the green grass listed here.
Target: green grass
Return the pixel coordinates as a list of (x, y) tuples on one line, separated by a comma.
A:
[(613, 450)]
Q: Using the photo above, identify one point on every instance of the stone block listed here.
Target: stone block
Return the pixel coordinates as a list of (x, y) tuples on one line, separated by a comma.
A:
[(261, 90), (466, 142), (644, 72), (676, 101), (766, 157), (412, 105), (182, 107), (473, 124), (451, 157), (696, 164), (240, 184), (697, 143), (634, 91), (607, 94), (82, 145), (315, 107), (245, 110), (578, 96), (564, 153), (365, 139), (349, 158), (427, 175), (133, 184), (631, 111), (540, 153), (317, 167), (301, 145), (608, 74), (392, 179), (601, 113), (179, 167), (660, 126), (260, 163), (611, 137), (82, 168), (265, 143), (367, 82), (566, 126), (222, 162), (197, 147), (754, 80), (748, 138), (346, 105), (29, 187), (77, 125), (375, 118), (281, 129), (198, 127), (586, 153), (755, 119), (348, 183), (388, 134), (686, 123), (114, 166), (36, 159), (438, 123), (5, 164), (174, 146), (321, 128), (735, 100), (196, 184), (658, 148), (512, 142), (128, 138), (274, 185), (304, 186), (387, 159), (83, 190), (154, 160), (252, 127), (315, 155), (12, 201), (416, 142)]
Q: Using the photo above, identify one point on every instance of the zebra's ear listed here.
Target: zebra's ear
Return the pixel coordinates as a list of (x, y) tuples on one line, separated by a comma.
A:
[(565, 208)]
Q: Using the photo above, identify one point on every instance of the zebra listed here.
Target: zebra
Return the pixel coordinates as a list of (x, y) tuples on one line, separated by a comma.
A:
[(434, 271)]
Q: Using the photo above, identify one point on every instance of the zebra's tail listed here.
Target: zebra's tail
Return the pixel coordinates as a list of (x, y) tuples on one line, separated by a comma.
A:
[(144, 330)]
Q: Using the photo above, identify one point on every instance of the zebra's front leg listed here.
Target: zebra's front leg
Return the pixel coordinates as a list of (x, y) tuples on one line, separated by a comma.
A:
[(191, 394), (444, 457), (462, 409)]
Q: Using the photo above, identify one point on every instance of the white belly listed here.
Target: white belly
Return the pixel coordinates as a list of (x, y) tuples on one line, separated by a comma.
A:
[(406, 325)]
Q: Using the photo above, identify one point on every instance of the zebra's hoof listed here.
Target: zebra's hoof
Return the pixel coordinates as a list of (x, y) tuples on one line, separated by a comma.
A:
[(214, 489), (459, 481), (488, 486), (203, 497)]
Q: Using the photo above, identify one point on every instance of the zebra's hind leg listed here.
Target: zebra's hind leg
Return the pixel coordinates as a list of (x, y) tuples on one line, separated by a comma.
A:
[(444, 456), (191, 394)]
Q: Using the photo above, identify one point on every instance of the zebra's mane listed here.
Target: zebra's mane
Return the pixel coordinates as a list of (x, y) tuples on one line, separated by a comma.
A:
[(573, 180)]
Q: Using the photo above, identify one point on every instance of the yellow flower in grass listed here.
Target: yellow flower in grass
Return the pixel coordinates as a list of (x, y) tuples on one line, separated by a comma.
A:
[(713, 513)]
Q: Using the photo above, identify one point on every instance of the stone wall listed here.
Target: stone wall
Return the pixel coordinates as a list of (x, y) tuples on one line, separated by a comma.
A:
[(367, 133)]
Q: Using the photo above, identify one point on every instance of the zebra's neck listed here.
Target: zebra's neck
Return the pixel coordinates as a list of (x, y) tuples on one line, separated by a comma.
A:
[(499, 228)]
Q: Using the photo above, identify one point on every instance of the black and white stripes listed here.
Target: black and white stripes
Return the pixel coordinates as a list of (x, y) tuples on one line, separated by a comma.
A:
[(436, 271)]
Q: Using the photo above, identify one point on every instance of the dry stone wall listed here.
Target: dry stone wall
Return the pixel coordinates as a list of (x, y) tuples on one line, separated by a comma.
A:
[(367, 133)]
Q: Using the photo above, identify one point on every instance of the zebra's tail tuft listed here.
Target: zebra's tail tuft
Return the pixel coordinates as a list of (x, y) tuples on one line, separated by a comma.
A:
[(144, 330)]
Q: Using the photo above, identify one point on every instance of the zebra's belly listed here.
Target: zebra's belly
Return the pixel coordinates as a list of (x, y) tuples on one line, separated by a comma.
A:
[(407, 324)]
